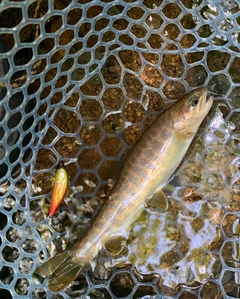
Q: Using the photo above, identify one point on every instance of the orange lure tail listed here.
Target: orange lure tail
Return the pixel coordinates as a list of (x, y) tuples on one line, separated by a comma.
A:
[(59, 188)]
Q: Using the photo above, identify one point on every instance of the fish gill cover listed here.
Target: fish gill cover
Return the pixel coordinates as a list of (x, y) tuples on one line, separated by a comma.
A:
[(80, 81)]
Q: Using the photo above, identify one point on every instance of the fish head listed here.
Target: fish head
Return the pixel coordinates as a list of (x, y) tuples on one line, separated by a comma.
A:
[(189, 112)]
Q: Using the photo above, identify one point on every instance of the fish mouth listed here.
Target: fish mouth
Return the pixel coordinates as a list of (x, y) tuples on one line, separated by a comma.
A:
[(205, 95), (209, 100), (209, 97), (206, 100)]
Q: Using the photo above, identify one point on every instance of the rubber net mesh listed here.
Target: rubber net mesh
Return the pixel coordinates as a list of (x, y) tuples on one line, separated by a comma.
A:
[(79, 82)]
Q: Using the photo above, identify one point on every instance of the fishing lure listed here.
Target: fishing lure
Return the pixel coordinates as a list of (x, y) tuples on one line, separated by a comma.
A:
[(59, 188)]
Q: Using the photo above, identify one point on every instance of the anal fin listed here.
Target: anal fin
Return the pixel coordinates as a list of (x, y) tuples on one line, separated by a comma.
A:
[(158, 200), (115, 244)]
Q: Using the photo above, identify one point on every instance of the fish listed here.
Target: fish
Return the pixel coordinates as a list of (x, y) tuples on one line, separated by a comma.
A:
[(59, 188), (146, 170)]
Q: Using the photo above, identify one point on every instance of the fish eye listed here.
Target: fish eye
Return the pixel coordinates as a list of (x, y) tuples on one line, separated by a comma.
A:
[(193, 101)]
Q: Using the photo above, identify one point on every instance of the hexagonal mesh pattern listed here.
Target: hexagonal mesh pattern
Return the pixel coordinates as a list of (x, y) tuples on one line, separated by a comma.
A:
[(79, 82)]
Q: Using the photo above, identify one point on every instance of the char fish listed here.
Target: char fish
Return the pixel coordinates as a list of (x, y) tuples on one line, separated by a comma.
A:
[(146, 170)]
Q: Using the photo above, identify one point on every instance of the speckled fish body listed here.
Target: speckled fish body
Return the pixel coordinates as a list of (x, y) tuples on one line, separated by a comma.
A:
[(150, 164)]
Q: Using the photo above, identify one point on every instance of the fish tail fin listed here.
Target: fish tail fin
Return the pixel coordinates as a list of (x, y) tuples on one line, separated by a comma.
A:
[(62, 269)]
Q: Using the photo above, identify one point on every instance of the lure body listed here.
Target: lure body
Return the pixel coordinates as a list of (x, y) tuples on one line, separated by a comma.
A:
[(59, 188), (147, 169)]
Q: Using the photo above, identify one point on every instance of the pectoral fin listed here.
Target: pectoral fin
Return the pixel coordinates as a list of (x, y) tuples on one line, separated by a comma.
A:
[(115, 245), (158, 200)]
